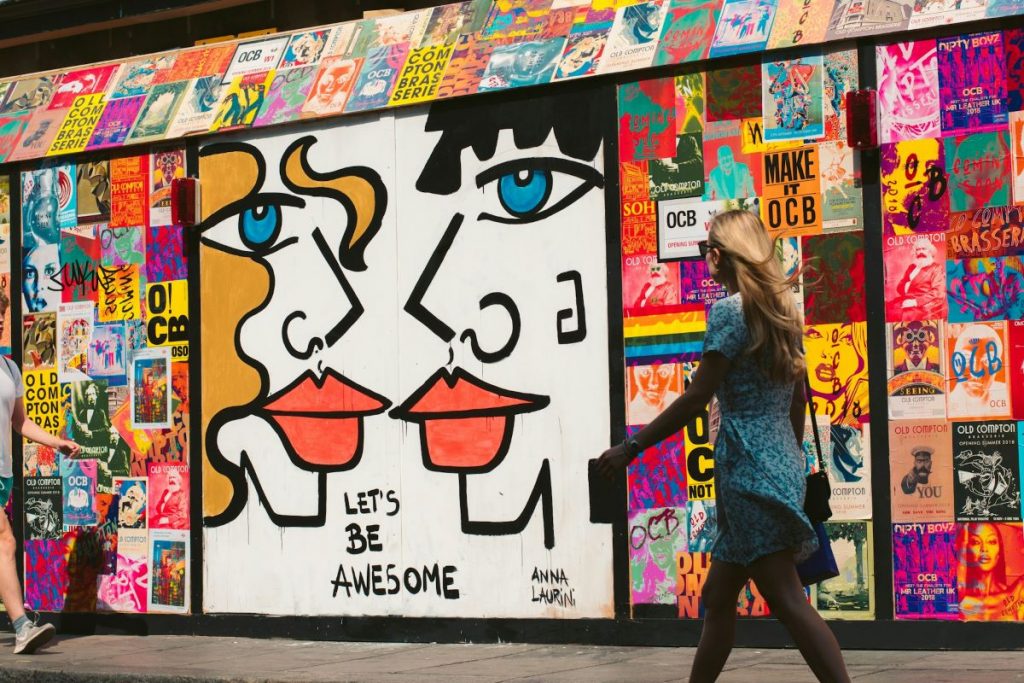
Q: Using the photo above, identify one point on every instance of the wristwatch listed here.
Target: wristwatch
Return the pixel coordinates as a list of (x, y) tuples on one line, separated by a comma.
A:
[(632, 448)]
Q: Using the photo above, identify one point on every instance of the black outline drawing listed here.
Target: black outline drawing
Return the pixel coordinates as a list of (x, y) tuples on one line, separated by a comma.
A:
[(580, 333), (408, 413), (349, 256)]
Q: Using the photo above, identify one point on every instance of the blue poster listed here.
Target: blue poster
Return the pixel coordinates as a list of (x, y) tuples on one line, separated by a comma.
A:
[(377, 79), (79, 484), (981, 289), (743, 26), (792, 98)]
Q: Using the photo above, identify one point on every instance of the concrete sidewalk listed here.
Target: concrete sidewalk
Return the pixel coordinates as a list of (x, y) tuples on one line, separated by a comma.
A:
[(167, 659)]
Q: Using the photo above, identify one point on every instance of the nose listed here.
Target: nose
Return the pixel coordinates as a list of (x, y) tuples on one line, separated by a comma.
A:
[(502, 343), (505, 349), (305, 332), (298, 341)]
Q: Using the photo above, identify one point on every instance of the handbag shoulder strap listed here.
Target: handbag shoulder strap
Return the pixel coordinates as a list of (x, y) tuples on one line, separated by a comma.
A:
[(9, 368), (814, 422)]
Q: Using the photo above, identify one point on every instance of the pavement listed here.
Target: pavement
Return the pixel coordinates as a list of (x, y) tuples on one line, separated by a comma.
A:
[(183, 659)]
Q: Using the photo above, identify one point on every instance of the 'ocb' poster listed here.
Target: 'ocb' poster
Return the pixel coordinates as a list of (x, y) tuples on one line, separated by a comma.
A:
[(792, 191)]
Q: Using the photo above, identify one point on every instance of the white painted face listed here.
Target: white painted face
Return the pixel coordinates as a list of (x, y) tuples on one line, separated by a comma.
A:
[(303, 228), (471, 340), (309, 300), (505, 288)]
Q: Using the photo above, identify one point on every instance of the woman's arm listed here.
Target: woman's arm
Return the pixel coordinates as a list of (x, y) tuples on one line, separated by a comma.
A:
[(710, 373), (30, 430)]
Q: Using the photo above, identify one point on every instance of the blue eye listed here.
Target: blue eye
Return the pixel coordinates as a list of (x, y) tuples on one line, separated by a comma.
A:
[(531, 189), (524, 191), (260, 225)]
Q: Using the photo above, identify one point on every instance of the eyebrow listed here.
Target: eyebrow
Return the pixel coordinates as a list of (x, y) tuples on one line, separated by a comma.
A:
[(573, 116)]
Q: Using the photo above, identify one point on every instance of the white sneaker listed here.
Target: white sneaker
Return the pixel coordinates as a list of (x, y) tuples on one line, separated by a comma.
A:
[(32, 637)]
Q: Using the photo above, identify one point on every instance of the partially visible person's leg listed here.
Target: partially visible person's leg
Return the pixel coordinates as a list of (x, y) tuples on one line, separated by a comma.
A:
[(779, 583), (721, 589), (28, 636), (10, 587)]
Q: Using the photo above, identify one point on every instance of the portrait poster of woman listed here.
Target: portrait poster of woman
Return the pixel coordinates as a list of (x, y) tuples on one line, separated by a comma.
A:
[(990, 573)]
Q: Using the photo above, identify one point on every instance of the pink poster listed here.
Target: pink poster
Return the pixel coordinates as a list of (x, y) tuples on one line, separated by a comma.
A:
[(924, 570), (658, 477), (88, 81), (1015, 358), (168, 496), (648, 284), (972, 82), (125, 589), (915, 277), (908, 91)]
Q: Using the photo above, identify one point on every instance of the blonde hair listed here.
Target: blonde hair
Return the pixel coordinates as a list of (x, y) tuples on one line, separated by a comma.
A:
[(775, 324)]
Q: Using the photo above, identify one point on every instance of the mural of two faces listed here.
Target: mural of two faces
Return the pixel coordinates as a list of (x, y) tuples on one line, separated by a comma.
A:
[(405, 372)]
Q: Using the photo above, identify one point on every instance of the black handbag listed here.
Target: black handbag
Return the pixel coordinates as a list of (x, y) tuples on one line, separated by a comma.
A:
[(819, 490)]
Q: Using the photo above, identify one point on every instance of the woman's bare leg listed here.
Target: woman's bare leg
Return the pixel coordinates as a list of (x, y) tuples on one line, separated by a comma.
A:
[(779, 583), (721, 589), (10, 585)]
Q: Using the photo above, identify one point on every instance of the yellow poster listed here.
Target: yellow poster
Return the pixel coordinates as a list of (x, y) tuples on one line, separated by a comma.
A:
[(167, 317), (700, 452), (691, 572), (119, 293), (44, 399), (837, 365), (243, 100), (914, 187), (421, 74), (752, 131), (792, 191), (78, 125)]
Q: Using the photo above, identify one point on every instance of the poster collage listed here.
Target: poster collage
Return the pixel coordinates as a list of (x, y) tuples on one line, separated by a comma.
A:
[(457, 49), (954, 308), (104, 334), (769, 138)]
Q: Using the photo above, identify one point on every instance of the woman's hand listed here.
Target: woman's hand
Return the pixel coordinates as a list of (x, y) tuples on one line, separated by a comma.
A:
[(612, 460), (69, 448)]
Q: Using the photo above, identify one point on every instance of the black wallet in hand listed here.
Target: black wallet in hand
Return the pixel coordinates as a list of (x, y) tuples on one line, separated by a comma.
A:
[(606, 495)]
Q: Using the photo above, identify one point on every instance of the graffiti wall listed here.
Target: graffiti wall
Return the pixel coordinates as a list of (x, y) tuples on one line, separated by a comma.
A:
[(405, 370), (954, 302), (462, 48), (696, 144), (104, 335), (768, 138), (405, 332)]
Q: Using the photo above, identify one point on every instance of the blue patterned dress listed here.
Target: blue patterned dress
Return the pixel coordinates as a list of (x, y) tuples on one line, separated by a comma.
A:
[(759, 466)]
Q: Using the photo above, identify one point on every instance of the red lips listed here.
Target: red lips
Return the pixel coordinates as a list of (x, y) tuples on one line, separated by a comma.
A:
[(322, 419), (465, 423)]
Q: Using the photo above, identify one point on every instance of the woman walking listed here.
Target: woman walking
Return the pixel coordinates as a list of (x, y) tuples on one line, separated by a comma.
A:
[(753, 360), (29, 635)]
